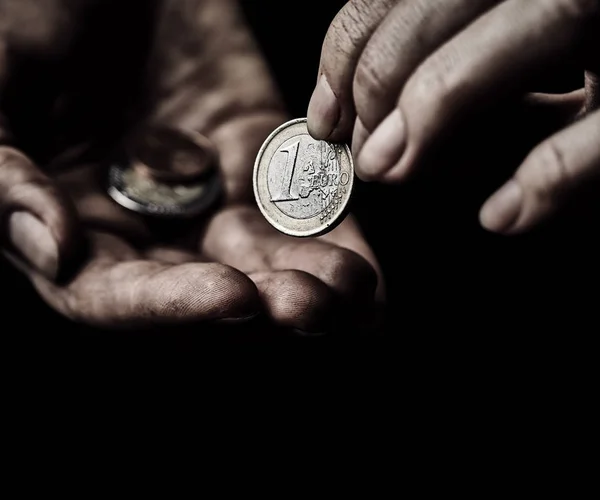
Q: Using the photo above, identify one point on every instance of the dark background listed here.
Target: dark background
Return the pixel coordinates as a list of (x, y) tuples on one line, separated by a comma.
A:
[(452, 288)]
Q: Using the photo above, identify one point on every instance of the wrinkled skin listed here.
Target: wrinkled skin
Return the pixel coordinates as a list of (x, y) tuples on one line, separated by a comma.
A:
[(77, 76), (398, 76)]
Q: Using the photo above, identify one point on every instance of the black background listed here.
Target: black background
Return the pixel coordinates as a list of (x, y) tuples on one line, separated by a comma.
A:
[(452, 288)]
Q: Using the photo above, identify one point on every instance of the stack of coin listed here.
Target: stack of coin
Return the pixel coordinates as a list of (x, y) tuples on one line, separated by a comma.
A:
[(166, 172), (302, 186)]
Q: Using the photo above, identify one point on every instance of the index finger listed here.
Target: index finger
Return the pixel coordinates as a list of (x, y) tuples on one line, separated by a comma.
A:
[(331, 110)]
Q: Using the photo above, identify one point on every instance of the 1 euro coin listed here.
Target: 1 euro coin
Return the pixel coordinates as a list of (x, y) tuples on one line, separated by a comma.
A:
[(302, 185)]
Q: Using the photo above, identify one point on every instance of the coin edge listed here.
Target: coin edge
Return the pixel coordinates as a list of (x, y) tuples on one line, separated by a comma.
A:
[(215, 189)]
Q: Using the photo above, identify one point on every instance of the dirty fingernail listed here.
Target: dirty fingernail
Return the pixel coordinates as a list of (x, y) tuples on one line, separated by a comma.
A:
[(323, 110)]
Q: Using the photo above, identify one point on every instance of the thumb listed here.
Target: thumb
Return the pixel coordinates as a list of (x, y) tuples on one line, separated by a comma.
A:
[(40, 230)]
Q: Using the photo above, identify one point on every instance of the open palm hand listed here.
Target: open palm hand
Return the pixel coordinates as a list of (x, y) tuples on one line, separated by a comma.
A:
[(76, 77)]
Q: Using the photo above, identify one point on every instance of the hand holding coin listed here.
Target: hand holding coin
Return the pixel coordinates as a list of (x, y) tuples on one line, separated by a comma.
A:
[(200, 77), (400, 77)]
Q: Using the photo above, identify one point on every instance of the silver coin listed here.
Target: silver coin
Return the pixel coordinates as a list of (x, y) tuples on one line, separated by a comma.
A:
[(166, 172), (142, 194), (302, 186)]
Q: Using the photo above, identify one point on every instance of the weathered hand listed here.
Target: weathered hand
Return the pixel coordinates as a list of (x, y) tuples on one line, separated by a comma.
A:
[(70, 93), (401, 74)]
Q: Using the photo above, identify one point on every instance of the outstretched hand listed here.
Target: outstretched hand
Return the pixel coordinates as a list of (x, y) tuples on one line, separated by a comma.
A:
[(69, 96)]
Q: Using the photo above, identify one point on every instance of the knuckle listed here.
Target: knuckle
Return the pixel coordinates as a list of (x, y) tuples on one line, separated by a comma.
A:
[(375, 88), (20, 191), (343, 35), (433, 80), (547, 174), (22, 187), (352, 21), (371, 80)]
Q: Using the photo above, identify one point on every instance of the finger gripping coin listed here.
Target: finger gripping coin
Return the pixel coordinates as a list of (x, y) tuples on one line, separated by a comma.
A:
[(302, 185)]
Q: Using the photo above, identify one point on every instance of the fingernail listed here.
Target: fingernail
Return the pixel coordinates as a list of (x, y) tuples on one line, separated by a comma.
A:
[(323, 110), (501, 211), (34, 241), (384, 148), (359, 137)]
